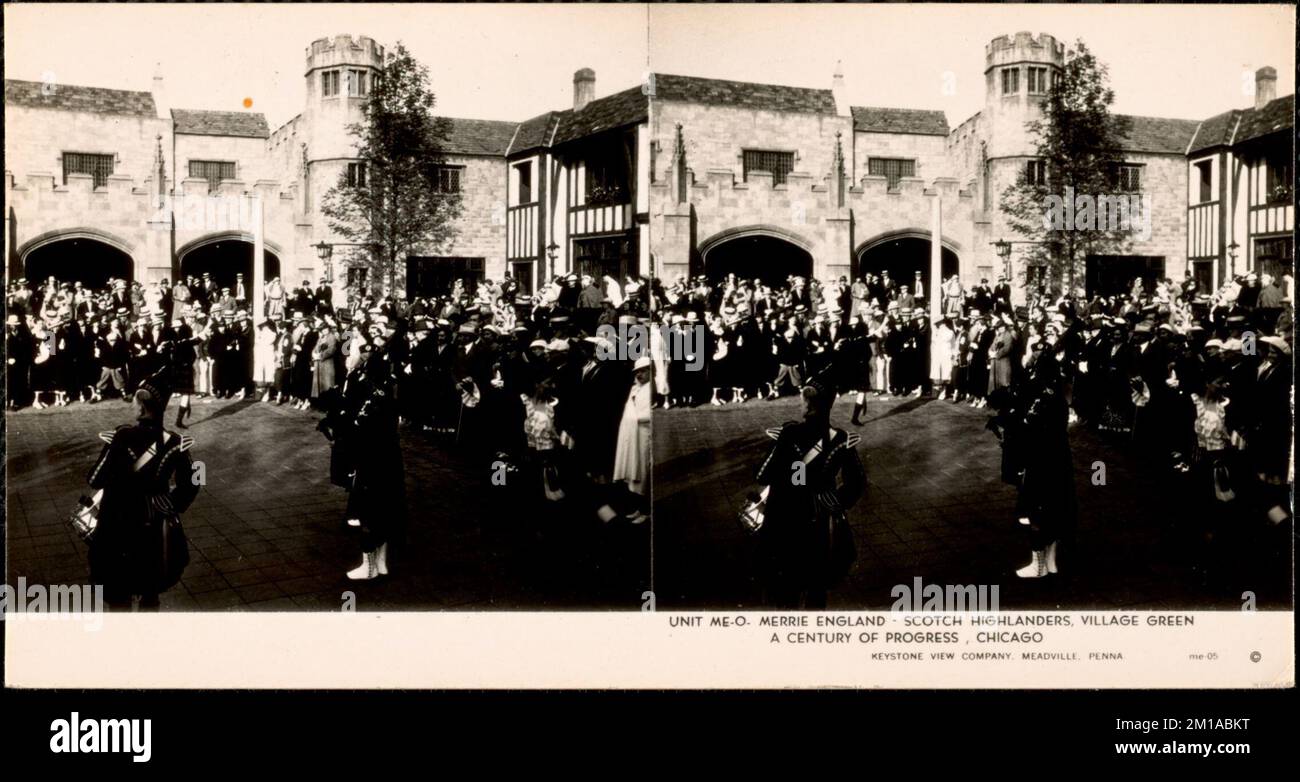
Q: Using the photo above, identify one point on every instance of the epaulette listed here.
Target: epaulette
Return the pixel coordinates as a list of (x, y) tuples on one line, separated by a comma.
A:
[(187, 442), (773, 433), (853, 440), (107, 436)]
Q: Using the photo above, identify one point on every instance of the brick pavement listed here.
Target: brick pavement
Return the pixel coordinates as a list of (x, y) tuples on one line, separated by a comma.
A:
[(267, 531), (935, 508)]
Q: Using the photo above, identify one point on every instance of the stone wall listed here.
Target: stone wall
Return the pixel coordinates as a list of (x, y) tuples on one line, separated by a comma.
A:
[(480, 232), (248, 154), (716, 136), (804, 211), (36, 138), (929, 152)]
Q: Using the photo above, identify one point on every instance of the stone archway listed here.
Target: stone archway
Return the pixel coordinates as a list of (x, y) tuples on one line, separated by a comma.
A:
[(765, 253), (903, 254), (83, 255), (223, 256)]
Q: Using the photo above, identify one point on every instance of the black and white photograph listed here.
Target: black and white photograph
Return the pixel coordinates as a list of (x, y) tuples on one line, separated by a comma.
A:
[(1001, 300), (656, 346), (303, 315)]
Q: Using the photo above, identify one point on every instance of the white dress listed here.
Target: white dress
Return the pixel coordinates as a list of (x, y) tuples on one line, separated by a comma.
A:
[(943, 352), (632, 453)]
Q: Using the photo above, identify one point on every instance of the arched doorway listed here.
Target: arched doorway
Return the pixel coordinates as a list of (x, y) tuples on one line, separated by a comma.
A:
[(92, 262), (766, 257), (225, 258), (903, 256)]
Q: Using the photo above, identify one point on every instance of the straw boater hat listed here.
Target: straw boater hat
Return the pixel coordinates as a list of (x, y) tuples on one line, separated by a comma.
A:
[(604, 343), (1278, 343)]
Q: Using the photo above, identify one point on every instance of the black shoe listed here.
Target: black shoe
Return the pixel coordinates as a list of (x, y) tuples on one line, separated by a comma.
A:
[(857, 411)]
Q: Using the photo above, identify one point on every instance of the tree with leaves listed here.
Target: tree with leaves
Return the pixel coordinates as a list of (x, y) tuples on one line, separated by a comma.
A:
[(1079, 143), (399, 206)]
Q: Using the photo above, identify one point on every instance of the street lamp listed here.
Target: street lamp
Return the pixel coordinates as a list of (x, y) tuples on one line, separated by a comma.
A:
[(1004, 252), (325, 251)]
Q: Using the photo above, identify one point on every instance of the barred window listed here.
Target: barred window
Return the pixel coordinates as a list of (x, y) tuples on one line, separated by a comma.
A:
[(894, 169), (212, 170), (1127, 178), (1037, 80), (1010, 81), (778, 164), (329, 84), (98, 166), (357, 83), (449, 178), (356, 174)]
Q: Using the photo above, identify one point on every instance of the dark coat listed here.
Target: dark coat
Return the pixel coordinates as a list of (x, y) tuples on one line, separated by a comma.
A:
[(138, 548), (796, 538)]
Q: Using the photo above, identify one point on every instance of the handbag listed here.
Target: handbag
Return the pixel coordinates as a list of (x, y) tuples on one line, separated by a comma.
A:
[(85, 516), (754, 512), (551, 483), (1223, 483), (175, 545)]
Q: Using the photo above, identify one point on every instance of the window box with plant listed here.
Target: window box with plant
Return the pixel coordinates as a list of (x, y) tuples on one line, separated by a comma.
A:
[(606, 195)]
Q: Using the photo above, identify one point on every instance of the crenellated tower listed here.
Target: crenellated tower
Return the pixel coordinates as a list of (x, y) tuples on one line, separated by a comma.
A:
[(1018, 71), (340, 74)]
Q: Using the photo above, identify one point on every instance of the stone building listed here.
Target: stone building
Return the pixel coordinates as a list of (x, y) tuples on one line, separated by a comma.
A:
[(106, 183), (681, 175), (1240, 195), (780, 180)]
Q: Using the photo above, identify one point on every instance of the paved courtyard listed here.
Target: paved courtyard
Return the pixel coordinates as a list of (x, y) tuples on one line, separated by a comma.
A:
[(267, 532), (935, 508)]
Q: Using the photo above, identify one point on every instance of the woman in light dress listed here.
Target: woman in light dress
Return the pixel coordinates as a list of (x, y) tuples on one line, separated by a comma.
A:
[(632, 452)]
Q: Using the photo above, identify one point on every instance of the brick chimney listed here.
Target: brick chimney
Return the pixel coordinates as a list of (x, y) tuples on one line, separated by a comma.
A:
[(1265, 85), (839, 91), (584, 88)]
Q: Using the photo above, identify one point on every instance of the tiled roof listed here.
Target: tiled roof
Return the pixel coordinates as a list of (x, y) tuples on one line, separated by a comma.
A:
[(1238, 125), (613, 111), (196, 122), (535, 132), (1278, 114), (921, 122), (743, 94), (1157, 134), (1215, 131), (70, 97), (478, 136)]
